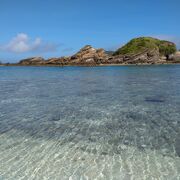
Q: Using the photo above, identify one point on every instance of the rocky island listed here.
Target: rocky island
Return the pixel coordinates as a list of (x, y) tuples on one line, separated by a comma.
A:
[(142, 50)]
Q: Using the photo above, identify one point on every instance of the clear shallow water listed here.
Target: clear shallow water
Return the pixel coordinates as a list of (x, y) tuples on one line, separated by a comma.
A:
[(90, 123)]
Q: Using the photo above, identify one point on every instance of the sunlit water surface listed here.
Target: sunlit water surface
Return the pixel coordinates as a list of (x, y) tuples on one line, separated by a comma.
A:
[(90, 123)]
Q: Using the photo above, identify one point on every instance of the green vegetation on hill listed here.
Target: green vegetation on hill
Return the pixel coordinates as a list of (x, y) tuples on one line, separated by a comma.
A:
[(142, 44), (166, 48)]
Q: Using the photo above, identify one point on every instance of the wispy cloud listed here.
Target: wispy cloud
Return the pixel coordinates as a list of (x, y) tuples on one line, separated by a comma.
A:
[(22, 43)]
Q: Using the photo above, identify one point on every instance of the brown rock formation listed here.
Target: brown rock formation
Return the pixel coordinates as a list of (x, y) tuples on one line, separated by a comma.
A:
[(89, 56), (176, 57), (32, 61), (58, 61), (148, 56)]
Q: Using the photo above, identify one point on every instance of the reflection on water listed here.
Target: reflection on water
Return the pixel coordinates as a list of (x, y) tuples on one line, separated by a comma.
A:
[(90, 123)]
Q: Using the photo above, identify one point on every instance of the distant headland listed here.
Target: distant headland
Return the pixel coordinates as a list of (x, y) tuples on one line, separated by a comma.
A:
[(142, 50)]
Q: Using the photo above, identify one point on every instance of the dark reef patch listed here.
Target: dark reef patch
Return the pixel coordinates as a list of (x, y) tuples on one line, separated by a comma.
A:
[(154, 100), (177, 145)]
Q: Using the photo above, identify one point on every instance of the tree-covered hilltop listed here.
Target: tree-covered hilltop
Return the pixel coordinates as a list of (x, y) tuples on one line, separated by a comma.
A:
[(142, 44)]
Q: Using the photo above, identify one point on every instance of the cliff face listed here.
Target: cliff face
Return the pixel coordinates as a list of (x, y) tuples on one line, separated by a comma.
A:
[(137, 51)]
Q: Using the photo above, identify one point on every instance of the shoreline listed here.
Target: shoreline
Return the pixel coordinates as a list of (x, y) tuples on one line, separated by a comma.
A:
[(97, 65)]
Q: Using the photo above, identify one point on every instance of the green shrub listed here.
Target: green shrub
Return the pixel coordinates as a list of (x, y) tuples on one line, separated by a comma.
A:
[(142, 44), (166, 48)]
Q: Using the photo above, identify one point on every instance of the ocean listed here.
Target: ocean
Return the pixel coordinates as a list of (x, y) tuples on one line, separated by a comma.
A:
[(78, 123)]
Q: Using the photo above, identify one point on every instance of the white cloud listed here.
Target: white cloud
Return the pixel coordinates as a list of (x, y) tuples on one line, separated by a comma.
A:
[(23, 43)]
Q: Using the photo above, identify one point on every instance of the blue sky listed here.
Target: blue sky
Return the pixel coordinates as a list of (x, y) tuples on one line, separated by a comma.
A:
[(54, 28)]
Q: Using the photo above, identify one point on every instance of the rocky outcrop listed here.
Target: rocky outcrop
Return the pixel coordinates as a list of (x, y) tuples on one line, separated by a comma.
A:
[(147, 56), (176, 57), (58, 61), (32, 61), (143, 50), (89, 56)]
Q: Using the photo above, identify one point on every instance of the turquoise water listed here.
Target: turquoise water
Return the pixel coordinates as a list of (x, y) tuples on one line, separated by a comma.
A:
[(90, 122)]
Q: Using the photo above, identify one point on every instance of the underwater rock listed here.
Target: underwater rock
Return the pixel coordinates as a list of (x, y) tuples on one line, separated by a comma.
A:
[(154, 100), (177, 145)]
